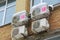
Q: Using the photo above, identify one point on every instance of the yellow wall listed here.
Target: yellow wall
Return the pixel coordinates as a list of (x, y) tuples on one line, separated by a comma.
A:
[(22, 5), (5, 32)]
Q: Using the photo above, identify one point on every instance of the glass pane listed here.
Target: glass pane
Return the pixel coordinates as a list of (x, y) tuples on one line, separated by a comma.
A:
[(51, 2), (2, 2), (10, 4), (10, 1), (9, 14), (36, 2), (1, 17)]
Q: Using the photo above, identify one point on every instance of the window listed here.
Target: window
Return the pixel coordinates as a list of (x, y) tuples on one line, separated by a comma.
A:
[(1, 17), (49, 2), (5, 11), (2, 3), (10, 1), (35, 2)]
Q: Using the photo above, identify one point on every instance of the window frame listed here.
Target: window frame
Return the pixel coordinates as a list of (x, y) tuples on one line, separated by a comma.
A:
[(6, 6)]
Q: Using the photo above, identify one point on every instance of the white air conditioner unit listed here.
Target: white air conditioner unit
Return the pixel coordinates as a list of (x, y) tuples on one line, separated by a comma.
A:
[(40, 25), (19, 18), (39, 11), (18, 33)]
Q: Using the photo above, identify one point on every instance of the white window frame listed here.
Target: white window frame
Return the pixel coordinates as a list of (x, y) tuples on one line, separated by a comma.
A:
[(5, 10)]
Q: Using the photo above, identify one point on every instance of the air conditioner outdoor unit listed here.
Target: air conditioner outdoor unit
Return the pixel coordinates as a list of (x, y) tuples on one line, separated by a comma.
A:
[(18, 33), (19, 19), (40, 25), (39, 11)]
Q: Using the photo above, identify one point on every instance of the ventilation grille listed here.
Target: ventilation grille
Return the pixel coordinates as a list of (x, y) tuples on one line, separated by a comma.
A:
[(15, 32), (36, 24), (15, 21), (36, 12), (16, 35)]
